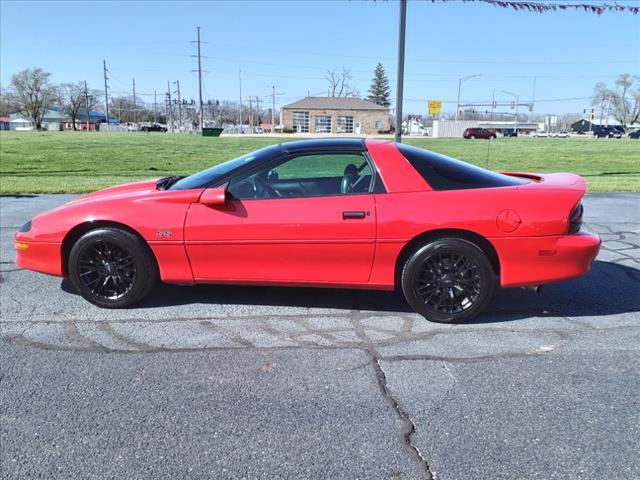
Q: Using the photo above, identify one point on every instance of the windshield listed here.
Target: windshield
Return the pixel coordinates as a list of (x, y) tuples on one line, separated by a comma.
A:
[(213, 174)]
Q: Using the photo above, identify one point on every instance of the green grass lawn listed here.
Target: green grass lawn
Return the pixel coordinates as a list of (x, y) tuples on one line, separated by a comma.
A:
[(74, 162)]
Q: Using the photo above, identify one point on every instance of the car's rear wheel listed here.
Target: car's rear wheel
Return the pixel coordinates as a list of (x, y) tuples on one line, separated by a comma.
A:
[(112, 268), (449, 280)]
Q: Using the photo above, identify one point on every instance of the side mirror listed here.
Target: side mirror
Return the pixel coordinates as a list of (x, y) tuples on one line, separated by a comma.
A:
[(214, 196)]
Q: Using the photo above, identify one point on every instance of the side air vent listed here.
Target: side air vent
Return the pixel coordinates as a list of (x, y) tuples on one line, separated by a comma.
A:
[(575, 219)]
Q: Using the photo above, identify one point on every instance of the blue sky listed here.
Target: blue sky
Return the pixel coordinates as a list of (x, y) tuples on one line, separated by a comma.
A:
[(290, 45)]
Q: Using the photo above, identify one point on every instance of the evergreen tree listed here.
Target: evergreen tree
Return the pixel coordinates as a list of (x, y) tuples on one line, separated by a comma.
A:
[(379, 91)]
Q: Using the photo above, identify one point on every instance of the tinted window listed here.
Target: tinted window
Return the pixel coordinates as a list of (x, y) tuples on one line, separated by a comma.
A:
[(211, 175), (446, 173), (308, 175)]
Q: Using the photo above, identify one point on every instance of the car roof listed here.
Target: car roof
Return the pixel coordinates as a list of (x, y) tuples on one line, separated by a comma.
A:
[(324, 144)]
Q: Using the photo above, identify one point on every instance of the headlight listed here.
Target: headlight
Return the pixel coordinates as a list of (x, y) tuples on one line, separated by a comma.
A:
[(26, 227)]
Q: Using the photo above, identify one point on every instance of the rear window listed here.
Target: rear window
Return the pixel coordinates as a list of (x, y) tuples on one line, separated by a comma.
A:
[(446, 173)]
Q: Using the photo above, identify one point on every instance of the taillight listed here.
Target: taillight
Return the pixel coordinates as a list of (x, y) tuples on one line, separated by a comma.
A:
[(575, 218)]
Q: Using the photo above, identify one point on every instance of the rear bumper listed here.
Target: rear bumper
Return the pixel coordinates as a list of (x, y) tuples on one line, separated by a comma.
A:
[(43, 257), (537, 260)]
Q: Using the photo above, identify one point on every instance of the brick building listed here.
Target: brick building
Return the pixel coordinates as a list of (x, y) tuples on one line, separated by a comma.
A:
[(335, 115)]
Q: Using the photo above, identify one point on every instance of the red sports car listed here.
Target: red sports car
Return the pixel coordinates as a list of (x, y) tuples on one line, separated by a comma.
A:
[(346, 213)]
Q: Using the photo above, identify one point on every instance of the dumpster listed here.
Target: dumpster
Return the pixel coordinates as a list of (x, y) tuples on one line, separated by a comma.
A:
[(211, 132)]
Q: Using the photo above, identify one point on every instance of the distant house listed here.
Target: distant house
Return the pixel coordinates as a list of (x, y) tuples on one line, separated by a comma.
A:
[(335, 115), (584, 126), (95, 118), (20, 123), (51, 120)]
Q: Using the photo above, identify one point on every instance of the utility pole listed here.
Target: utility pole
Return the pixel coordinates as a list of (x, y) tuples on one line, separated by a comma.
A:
[(400, 75), (240, 113), (458, 100), (258, 101), (134, 100), (460, 81), (155, 106), (177, 82), (86, 98), (106, 92), (170, 111), (200, 81), (250, 116), (515, 125), (273, 109)]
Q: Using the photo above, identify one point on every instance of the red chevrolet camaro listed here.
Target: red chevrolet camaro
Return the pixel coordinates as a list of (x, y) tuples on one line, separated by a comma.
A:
[(346, 213)]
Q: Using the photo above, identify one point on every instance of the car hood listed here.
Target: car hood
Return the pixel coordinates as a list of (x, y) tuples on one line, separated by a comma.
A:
[(126, 189)]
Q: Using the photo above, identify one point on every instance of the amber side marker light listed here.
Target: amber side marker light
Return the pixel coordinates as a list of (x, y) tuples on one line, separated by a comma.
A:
[(21, 246)]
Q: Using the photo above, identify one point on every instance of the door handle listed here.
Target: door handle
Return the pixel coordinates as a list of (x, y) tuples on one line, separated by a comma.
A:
[(350, 215)]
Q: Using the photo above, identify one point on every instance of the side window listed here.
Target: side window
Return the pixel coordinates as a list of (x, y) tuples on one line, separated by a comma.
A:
[(312, 175)]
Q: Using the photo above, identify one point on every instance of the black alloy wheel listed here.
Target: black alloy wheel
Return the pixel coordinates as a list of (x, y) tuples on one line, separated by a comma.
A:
[(106, 270), (448, 280), (112, 268)]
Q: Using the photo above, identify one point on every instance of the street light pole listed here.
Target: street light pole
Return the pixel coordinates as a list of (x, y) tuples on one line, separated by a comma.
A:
[(400, 74), (515, 125), (460, 80)]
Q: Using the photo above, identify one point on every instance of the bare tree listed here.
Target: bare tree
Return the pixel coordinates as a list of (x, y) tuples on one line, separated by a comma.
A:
[(623, 100), (338, 81), (8, 102), (72, 99), (33, 92)]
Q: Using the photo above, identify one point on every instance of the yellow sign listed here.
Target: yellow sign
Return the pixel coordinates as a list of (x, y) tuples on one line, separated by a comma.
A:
[(434, 107)]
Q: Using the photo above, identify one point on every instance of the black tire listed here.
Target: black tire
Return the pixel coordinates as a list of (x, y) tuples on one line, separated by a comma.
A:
[(112, 268), (449, 280)]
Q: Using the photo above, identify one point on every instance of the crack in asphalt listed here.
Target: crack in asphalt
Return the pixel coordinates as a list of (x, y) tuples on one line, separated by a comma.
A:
[(410, 426)]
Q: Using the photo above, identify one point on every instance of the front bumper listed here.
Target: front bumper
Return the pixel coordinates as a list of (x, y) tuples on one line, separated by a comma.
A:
[(43, 257), (537, 260)]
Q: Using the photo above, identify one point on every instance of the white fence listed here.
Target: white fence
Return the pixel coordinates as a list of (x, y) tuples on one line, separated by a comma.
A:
[(451, 128), (105, 127)]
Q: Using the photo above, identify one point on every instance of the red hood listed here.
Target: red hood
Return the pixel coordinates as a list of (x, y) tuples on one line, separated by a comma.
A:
[(143, 186)]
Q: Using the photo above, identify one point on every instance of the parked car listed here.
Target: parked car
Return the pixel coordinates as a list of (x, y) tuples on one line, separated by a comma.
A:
[(539, 134), (154, 127), (561, 134), (344, 213), (635, 134), (479, 133), (608, 132)]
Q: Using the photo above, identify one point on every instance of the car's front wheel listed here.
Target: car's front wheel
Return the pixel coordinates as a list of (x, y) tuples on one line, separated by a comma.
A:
[(112, 268), (449, 280)]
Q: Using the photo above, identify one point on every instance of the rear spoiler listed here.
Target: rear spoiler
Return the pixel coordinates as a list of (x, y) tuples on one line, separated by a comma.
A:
[(559, 181)]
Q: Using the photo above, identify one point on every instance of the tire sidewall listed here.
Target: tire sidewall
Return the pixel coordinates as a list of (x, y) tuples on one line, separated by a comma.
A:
[(146, 270), (415, 261)]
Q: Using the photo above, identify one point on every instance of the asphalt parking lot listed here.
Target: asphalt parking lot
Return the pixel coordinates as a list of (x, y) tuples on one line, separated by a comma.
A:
[(247, 382)]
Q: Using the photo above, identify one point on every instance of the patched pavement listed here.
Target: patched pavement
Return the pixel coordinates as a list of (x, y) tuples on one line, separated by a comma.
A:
[(249, 382)]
